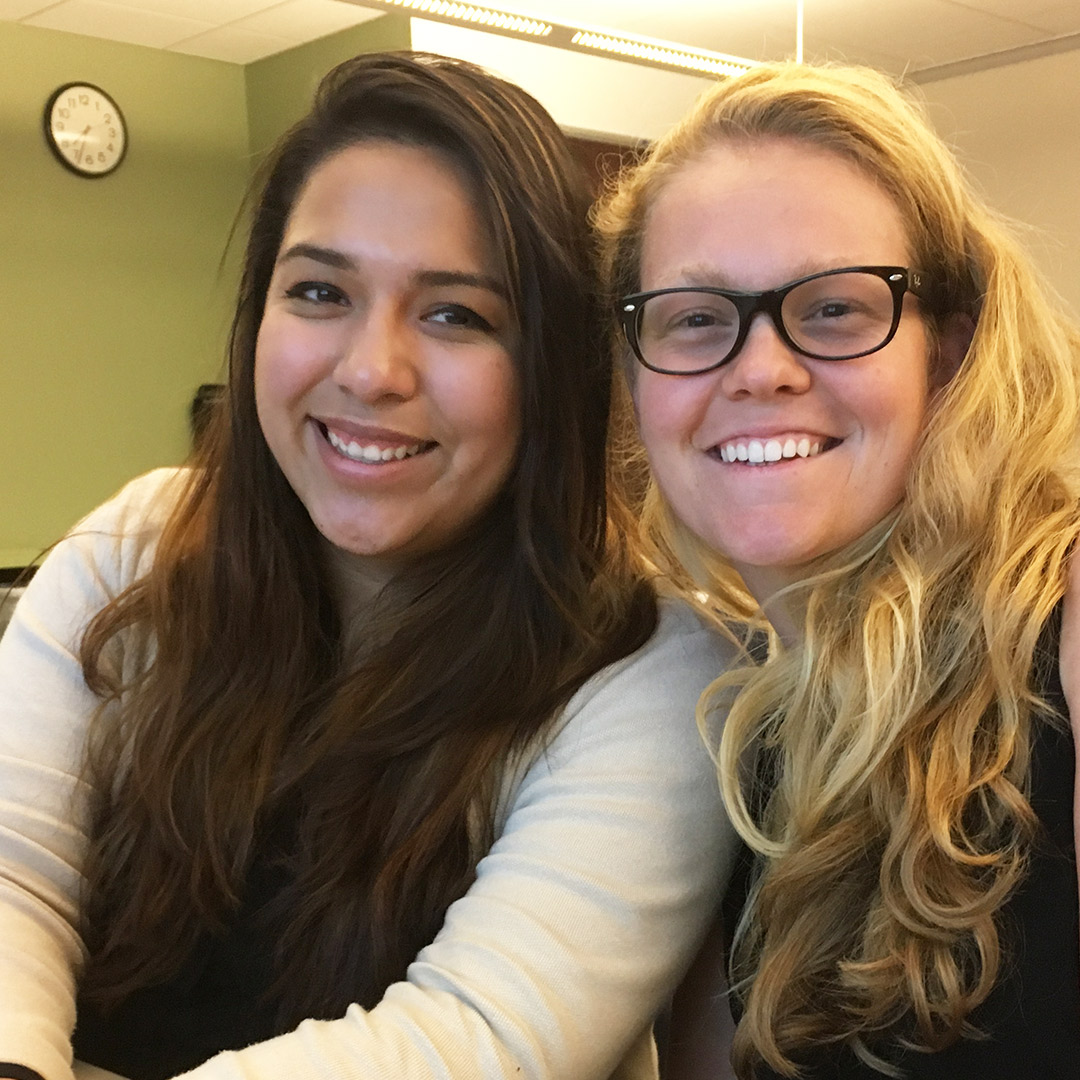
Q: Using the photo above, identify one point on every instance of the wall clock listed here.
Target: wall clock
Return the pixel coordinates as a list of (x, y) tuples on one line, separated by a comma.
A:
[(85, 129)]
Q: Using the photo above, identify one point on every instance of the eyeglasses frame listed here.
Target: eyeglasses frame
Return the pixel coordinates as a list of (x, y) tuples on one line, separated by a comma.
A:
[(900, 280)]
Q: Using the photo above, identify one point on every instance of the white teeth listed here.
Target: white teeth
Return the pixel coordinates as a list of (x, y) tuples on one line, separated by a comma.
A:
[(371, 453), (763, 452)]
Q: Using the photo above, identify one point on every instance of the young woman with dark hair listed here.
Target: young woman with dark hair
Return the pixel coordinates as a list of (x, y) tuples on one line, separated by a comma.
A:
[(370, 716)]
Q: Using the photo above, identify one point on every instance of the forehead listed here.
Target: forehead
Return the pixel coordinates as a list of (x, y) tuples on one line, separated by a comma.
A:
[(396, 188), (757, 213)]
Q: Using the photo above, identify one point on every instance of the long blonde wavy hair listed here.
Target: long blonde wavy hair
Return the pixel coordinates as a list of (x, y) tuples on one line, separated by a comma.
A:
[(879, 767)]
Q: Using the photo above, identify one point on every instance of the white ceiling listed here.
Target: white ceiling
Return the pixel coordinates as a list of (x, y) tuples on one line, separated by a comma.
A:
[(898, 35)]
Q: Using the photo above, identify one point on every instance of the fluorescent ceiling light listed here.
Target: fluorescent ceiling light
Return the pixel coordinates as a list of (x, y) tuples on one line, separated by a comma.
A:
[(587, 39), (664, 54), (489, 18)]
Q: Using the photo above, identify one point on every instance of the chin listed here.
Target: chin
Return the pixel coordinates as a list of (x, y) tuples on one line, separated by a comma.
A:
[(766, 555)]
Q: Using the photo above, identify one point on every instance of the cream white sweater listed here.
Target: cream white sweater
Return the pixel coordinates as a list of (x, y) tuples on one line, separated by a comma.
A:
[(611, 853)]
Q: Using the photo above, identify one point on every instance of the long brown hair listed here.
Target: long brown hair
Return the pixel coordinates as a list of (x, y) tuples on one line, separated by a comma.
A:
[(879, 768), (249, 715)]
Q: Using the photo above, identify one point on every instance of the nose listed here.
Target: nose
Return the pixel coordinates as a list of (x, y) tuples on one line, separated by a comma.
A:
[(377, 357), (765, 366)]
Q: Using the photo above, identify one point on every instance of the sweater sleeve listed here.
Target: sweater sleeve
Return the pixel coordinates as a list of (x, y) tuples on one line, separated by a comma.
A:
[(45, 708), (610, 857), (583, 915)]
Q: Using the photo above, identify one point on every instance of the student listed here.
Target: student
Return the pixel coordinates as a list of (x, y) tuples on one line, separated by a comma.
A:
[(368, 716), (860, 406)]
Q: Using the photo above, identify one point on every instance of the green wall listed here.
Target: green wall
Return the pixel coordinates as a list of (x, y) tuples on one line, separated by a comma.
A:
[(114, 304), (280, 87)]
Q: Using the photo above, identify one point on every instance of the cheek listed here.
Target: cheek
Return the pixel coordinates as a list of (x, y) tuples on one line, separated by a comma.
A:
[(268, 354), (893, 416), (668, 413), (484, 404), (286, 362), (263, 376), (904, 407), (281, 379), (269, 395)]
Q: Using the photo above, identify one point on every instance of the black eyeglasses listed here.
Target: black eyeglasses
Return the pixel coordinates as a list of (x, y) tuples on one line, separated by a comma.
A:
[(835, 315)]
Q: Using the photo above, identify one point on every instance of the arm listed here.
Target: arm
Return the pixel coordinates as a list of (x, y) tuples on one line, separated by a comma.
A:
[(701, 1023), (582, 917), (44, 711)]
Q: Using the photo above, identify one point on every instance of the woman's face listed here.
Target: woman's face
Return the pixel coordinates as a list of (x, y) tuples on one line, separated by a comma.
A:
[(754, 216), (384, 372)]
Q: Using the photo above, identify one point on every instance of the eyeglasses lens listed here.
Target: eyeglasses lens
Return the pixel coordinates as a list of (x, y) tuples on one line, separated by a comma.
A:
[(686, 330), (839, 315), (832, 317)]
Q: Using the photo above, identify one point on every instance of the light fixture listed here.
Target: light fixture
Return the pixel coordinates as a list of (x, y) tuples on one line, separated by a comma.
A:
[(663, 54), (488, 18), (652, 52)]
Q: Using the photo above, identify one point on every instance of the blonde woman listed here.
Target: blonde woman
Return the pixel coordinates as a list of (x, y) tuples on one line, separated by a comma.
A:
[(861, 407)]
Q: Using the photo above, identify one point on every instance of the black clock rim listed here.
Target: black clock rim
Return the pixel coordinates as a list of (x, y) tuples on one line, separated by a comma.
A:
[(47, 127)]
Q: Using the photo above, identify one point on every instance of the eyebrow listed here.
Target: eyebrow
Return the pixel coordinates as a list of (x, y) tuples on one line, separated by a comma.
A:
[(340, 261), (709, 277), (326, 256)]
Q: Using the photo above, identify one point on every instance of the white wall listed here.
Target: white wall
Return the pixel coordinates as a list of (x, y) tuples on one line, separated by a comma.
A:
[(1017, 128), (588, 95)]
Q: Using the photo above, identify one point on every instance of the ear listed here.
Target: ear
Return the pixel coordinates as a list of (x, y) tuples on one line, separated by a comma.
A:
[(953, 342)]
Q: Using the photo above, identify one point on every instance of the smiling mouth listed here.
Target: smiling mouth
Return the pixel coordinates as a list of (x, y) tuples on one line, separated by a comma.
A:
[(770, 451), (374, 453)]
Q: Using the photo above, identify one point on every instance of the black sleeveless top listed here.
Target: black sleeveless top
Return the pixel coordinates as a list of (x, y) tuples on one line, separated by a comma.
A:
[(1032, 1016)]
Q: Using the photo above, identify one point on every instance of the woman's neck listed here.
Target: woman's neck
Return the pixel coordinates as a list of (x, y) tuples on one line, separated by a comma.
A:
[(784, 609), (787, 624), (355, 583)]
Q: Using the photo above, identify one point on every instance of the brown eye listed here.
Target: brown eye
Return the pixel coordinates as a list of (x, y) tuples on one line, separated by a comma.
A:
[(458, 315), (316, 292)]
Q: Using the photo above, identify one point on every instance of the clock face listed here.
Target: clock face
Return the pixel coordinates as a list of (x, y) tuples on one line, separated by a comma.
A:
[(85, 129)]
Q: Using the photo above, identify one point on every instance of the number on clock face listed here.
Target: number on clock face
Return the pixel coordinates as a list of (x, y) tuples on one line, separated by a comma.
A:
[(85, 129)]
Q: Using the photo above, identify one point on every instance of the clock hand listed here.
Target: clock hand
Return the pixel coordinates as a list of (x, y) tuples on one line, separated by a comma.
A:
[(82, 143)]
